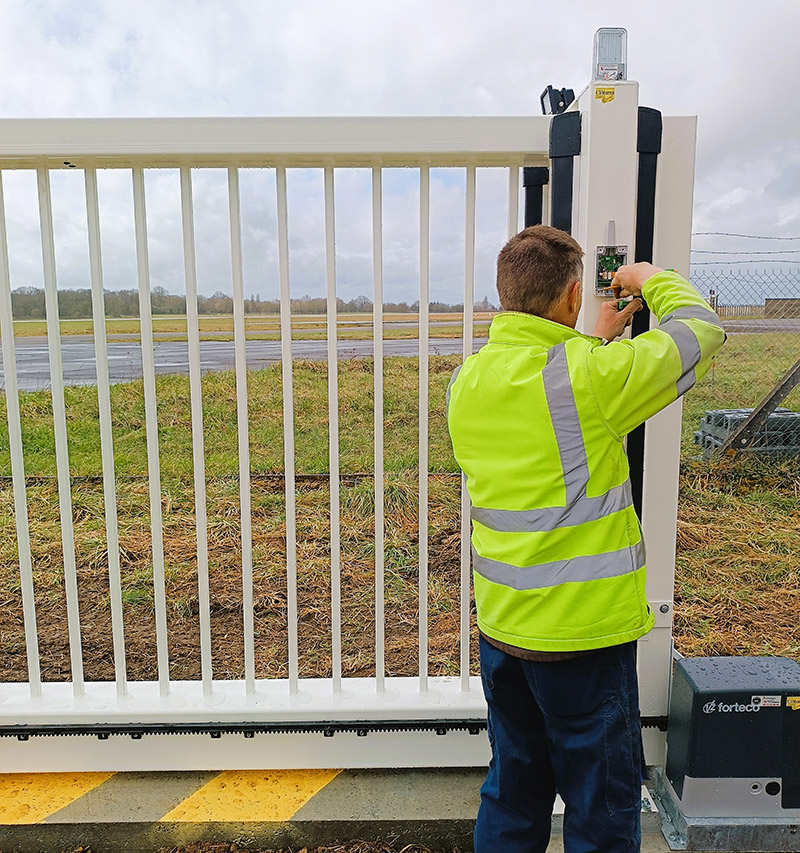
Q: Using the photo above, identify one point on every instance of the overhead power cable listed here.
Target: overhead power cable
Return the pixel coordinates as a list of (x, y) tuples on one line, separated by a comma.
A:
[(747, 236), (721, 252), (751, 261)]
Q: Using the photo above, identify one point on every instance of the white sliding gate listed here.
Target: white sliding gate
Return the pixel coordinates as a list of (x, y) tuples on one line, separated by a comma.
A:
[(334, 721)]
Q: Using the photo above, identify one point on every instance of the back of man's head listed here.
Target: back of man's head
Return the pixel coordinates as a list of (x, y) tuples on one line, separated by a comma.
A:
[(535, 268)]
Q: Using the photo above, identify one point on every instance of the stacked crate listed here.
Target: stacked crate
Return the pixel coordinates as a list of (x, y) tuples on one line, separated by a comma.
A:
[(779, 437)]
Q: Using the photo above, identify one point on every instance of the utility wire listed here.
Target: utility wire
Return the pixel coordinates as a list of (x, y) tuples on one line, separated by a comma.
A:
[(721, 252), (751, 261), (748, 236)]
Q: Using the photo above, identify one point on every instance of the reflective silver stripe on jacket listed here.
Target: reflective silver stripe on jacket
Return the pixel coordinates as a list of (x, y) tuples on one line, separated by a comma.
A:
[(688, 349), (553, 517), (578, 508), (574, 570), (566, 425), (693, 312), (686, 340)]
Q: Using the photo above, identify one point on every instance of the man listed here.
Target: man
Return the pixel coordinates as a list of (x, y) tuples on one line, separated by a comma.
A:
[(537, 419)]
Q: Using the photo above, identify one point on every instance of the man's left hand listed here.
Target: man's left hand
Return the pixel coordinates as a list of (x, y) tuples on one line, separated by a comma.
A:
[(611, 323)]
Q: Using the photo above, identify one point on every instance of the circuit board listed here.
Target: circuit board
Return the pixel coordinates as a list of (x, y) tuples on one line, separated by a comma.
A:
[(609, 260)]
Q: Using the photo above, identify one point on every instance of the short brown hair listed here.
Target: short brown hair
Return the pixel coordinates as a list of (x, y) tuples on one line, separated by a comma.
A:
[(535, 268)]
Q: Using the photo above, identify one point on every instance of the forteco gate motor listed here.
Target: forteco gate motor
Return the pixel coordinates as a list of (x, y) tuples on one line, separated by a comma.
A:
[(733, 742)]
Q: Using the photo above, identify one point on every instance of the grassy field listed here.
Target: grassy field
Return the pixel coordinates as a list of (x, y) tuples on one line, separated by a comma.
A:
[(357, 520), (738, 570), (263, 326)]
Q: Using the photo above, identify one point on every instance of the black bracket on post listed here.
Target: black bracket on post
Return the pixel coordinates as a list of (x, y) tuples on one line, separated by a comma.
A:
[(648, 145), (534, 179), (565, 145)]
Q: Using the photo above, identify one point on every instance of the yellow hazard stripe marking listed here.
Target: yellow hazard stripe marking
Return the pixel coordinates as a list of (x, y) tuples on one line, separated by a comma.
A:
[(252, 795), (31, 797)]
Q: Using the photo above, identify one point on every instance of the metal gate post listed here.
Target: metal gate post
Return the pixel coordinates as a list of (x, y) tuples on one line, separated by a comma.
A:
[(671, 248), (604, 213), (605, 179)]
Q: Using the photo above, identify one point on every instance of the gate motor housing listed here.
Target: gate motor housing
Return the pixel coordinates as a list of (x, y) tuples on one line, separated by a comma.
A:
[(733, 742)]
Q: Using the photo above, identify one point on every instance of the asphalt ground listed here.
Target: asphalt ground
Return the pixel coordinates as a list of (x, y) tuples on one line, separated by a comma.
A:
[(172, 357)]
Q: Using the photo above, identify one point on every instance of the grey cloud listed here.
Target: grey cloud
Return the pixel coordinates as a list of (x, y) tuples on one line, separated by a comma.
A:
[(736, 70)]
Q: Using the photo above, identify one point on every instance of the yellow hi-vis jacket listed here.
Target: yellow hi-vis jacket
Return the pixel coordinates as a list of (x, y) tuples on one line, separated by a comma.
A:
[(537, 419)]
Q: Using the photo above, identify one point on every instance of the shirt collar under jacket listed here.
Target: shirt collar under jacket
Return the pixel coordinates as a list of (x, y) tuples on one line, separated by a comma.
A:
[(517, 328)]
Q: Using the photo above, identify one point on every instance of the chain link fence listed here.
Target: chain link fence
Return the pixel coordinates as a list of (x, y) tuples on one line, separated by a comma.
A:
[(760, 309)]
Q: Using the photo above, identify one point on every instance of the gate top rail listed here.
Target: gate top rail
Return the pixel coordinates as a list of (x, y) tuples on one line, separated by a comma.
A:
[(302, 142)]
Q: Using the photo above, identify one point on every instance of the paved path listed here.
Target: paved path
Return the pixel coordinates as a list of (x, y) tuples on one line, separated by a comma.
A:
[(135, 811), (783, 326), (125, 357)]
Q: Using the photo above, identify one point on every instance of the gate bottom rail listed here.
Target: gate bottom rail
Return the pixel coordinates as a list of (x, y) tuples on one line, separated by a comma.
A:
[(327, 728)]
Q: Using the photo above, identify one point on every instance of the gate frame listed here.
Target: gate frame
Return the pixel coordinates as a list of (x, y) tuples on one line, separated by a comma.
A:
[(315, 722)]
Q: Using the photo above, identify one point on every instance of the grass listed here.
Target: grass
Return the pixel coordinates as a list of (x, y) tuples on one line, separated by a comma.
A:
[(392, 846), (220, 422), (390, 333), (737, 578), (262, 326), (269, 548), (737, 585), (270, 596)]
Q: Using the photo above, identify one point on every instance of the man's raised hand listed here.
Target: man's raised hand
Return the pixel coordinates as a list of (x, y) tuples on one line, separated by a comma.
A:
[(612, 323), (628, 279)]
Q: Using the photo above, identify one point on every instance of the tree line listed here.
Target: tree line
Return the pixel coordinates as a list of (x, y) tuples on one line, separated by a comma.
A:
[(28, 304)]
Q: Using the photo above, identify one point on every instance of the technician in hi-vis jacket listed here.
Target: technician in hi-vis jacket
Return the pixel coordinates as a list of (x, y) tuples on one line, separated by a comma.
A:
[(537, 418)]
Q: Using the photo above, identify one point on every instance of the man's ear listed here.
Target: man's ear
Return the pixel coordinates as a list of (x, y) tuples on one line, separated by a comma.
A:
[(574, 295)]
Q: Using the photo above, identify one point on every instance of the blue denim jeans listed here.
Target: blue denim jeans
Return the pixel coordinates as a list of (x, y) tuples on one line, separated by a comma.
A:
[(571, 727)]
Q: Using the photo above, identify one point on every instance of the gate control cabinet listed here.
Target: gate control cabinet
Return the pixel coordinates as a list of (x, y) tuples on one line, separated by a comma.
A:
[(609, 260), (733, 742)]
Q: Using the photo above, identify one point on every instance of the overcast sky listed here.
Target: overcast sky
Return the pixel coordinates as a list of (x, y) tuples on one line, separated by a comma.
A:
[(733, 64)]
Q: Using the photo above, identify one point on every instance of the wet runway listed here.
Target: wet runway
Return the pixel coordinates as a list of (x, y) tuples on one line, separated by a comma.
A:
[(125, 357)]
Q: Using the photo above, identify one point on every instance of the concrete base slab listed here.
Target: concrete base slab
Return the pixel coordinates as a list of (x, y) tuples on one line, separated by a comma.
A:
[(682, 832), (146, 812)]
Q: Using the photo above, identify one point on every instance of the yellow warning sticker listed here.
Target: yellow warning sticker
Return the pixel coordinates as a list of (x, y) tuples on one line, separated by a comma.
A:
[(604, 95), (793, 702)]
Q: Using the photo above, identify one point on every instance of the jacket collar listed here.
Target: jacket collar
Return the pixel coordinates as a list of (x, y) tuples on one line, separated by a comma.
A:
[(514, 327)]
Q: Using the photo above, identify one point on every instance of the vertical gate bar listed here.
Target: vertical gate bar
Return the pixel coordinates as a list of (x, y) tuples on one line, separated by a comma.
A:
[(513, 200), (151, 427), (546, 199), (288, 426), (106, 433), (469, 299), (198, 441), (377, 369), (333, 433), (424, 300), (17, 461), (243, 425), (60, 429)]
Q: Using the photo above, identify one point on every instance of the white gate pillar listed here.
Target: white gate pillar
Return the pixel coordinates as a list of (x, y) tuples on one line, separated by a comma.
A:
[(605, 191)]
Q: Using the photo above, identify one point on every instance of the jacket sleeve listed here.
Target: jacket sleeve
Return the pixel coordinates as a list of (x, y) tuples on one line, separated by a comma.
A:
[(634, 379)]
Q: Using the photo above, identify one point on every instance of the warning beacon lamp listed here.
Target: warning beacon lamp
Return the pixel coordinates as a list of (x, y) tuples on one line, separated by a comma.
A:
[(610, 54)]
